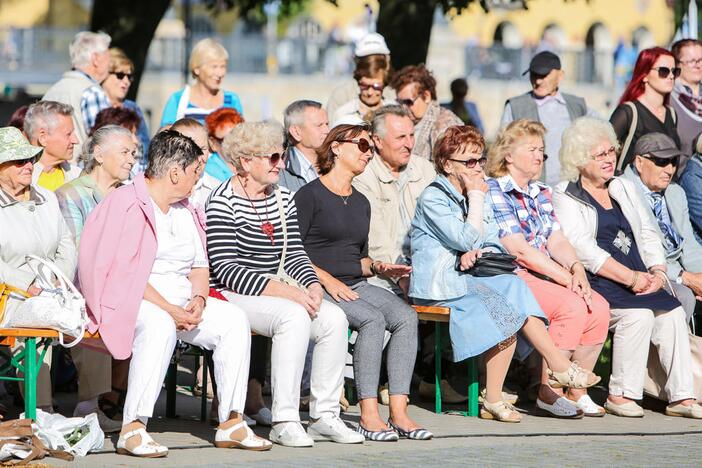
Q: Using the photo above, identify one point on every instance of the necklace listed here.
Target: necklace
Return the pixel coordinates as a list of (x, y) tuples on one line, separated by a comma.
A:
[(345, 199), (267, 228)]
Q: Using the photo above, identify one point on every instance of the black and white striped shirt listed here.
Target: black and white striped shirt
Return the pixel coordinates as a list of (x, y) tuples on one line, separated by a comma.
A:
[(240, 253)]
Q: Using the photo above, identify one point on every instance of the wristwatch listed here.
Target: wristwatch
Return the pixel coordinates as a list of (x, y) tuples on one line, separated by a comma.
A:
[(679, 279)]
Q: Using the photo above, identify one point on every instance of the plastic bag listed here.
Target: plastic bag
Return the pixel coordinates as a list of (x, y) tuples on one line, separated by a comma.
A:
[(74, 435)]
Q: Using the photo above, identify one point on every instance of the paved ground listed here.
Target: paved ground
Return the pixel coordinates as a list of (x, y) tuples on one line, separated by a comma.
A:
[(655, 440)]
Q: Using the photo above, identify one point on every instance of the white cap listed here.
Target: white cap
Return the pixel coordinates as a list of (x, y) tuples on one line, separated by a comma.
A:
[(371, 44), (348, 119)]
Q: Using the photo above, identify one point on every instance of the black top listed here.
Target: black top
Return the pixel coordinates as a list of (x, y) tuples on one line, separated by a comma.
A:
[(615, 236), (334, 233), (647, 122)]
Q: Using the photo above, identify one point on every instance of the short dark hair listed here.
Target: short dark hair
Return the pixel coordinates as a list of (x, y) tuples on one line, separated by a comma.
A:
[(419, 74), (17, 117), (678, 46), (170, 147), (455, 139), (325, 155), (372, 66), (120, 116), (459, 88)]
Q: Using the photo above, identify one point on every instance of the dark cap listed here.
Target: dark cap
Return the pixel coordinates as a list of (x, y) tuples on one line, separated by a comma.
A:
[(658, 145), (543, 62)]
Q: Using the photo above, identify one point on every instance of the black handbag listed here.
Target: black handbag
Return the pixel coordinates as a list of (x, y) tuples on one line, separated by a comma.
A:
[(490, 264)]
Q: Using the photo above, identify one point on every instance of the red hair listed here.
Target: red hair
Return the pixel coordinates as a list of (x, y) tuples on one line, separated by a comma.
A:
[(647, 58), (221, 116)]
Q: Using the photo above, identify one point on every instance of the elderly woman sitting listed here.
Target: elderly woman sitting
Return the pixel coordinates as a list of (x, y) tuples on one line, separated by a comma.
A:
[(530, 230), (150, 288), (31, 224), (452, 220), (258, 263), (616, 240)]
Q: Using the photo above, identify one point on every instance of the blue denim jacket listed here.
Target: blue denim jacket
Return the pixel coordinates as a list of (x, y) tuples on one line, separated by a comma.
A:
[(439, 233), (691, 182)]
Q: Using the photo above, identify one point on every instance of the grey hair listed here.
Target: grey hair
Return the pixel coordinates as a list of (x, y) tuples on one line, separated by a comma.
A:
[(43, 114), (378, 126), (102, 137), (294, 115), (169, 148), (250, 138), (85, 44), (577, 143)]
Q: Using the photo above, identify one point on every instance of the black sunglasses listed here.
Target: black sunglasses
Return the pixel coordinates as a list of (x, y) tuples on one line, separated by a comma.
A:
[(121, 75), (663, 162), (363, 145), (663, 72), (407, 102), (470, 163), (375, 86)]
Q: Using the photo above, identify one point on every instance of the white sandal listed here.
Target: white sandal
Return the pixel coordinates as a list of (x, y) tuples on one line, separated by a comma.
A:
[(573, 377), (148, 448), (251, 442)]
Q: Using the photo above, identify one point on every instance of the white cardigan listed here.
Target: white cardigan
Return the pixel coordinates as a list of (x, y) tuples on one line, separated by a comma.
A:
[(579, 223)]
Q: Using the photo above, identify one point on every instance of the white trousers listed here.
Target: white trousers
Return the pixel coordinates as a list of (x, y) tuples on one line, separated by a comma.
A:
[(224, 330), (291, 329), (634, 331)]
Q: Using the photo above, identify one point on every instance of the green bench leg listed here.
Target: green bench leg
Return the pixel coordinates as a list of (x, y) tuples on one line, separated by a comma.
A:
[(473, 385), (31, 372), (437, 367)]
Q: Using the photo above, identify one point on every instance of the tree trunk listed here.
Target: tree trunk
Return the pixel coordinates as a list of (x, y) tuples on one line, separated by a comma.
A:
[(406, 26), (131, 24)]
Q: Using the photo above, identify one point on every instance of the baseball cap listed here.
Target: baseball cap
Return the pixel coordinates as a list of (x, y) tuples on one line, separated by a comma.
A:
[(371, 44), (543, 62), (658, 145)]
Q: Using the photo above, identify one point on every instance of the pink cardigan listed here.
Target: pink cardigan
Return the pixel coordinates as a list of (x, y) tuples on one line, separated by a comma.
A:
[(117, 252)]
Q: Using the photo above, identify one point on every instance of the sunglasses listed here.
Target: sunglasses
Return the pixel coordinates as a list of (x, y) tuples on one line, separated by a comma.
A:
[(363, 145), (662, 162), (407, 102), (663, 72), (470, 163), (274, 158), (122, 75), (22, 162), (375, 86)]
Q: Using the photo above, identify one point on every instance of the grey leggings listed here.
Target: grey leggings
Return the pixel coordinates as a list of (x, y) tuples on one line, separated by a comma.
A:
[(375, 311)]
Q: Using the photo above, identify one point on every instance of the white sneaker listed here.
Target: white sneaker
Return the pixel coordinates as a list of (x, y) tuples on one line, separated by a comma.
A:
[(334, 429), (290, 434), (107, 425)]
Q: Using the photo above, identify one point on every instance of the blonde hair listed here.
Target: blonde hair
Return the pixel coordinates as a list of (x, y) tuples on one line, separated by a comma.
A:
[(506, 139), (249, 139), (118, 60), (577, 143), (205, 51)]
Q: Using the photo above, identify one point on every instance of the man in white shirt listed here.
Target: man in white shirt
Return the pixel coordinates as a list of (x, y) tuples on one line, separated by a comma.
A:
[(306, 126)]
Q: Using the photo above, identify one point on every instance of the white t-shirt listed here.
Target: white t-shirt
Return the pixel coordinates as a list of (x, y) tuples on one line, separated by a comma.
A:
[(179, 251)]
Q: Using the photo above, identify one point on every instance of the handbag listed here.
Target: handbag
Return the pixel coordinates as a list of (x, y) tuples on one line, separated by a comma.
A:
[(61, 308), (491, 264), (280, 274)]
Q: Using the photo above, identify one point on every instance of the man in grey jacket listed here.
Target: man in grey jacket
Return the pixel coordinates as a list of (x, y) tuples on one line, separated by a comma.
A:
[(652, 172)]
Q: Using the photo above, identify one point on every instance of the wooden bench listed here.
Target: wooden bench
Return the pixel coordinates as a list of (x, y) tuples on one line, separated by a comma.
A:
[(25, 361), (439, 315)]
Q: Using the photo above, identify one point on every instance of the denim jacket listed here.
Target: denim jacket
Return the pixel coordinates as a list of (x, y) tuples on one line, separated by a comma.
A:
[(691, 182), (439, 233)]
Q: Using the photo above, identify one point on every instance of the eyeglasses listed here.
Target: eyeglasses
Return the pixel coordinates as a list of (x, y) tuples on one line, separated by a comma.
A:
[(600, 156), (662, 162), (363, 145), (470, 163), (692, 62), (663, 72), (375, 86), (274, 158), (122, 75), (408, 102)]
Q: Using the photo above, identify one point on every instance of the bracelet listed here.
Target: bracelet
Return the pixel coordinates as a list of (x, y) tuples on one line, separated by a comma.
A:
[(204, 299), (572, 265), (373, 268), (635, 280)]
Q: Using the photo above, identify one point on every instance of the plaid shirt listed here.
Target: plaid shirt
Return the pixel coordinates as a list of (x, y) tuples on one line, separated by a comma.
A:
[(92, 102), (528, 212), (76, 200)]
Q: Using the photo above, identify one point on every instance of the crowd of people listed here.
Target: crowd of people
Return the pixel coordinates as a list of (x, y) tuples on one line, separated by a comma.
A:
[(226, 233)]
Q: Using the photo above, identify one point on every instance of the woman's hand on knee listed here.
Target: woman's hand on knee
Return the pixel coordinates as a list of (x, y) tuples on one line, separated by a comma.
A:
[(339, 291)]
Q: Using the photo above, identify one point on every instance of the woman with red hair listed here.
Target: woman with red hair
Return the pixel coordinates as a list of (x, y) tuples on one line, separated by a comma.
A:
[(219, 123), (643, 108)]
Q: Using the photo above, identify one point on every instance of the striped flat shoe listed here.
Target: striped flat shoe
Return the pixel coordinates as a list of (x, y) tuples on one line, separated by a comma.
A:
[(417, 434), (387, 435)]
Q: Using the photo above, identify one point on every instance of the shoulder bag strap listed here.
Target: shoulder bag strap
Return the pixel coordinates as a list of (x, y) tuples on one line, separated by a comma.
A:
[(283, 222), (451, 197), (673, 114), (629, 136)]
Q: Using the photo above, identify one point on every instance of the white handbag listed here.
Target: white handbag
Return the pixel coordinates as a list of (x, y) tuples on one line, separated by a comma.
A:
[(61, 308)]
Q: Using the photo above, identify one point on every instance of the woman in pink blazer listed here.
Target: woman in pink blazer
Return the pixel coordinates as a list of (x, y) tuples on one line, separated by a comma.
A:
[(145, 277)]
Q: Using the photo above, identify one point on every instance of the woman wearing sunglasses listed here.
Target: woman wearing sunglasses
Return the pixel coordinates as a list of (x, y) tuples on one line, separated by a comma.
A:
[(616, 240), (453, 225), (643, 108), (371, 77), (258, 262), (334, 225), (116, 86)]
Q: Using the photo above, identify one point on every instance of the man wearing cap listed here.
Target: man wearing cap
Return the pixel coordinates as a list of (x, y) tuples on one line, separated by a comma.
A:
[(652, 170), (546, 104), (371, 53)]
